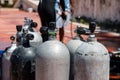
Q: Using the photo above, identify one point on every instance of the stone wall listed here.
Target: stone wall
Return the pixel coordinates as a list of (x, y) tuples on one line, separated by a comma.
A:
[(98, 9)]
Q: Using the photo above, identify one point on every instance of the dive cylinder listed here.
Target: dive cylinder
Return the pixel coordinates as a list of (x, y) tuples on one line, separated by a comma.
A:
[(23, 61), (28, 28), (72, 45), (23, 57), (6, 59), (53, 59), (91, 59)]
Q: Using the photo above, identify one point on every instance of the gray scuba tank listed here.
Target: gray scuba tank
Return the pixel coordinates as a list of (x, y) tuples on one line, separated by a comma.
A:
[(23, 61), (91, 59), (28, 27), (53, 59), (6, 59), (23, 57), (73, 44)]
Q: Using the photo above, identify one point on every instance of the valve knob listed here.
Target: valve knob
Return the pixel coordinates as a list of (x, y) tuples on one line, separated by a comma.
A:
[(12, 38), (18, 28), (92, 27)]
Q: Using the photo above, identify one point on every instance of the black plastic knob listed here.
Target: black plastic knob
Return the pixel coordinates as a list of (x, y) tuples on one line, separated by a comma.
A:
[(18, 28), (52, 25), (34, 24), (44, 29), (30, 36), (12, 38), (92, 27)]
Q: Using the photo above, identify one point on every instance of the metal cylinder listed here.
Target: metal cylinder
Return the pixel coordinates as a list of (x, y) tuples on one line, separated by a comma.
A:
[(72, 45), (91, 61), (53, 61), (6, 61), (23, 58), (23, 64), (5, 69)]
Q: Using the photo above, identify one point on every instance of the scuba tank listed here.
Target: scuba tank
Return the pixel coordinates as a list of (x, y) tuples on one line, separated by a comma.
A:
[(28, 27), (73, 44), (23, 57), (91, 59), (53, 59), (22, 61), (6, 59)]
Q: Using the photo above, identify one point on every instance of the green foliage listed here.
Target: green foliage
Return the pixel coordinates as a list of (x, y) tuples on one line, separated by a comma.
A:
[(83, 20), (111, 25), (107, 24)]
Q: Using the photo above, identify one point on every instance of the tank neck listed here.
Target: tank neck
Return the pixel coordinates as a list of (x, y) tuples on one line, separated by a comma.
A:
[(78, 37), (13, 43), (26, 44), (52, 35), (52, 38), (92, 38)]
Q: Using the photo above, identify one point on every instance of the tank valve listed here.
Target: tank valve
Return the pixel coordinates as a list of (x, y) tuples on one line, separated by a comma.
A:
[(92, 27), (19, 28)]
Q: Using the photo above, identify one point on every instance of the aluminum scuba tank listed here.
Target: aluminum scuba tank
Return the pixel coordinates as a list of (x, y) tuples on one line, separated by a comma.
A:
[(8, 51), (28, 27), (52, 61), (6, 59), (22, 61), (73, 44), (91, 59), (23, 58)]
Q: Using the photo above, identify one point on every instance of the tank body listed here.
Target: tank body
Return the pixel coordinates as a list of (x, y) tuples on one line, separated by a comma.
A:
[(91, 62), (23, 57), (53, 61), (72, 45), (23, 63), (6, 61)]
